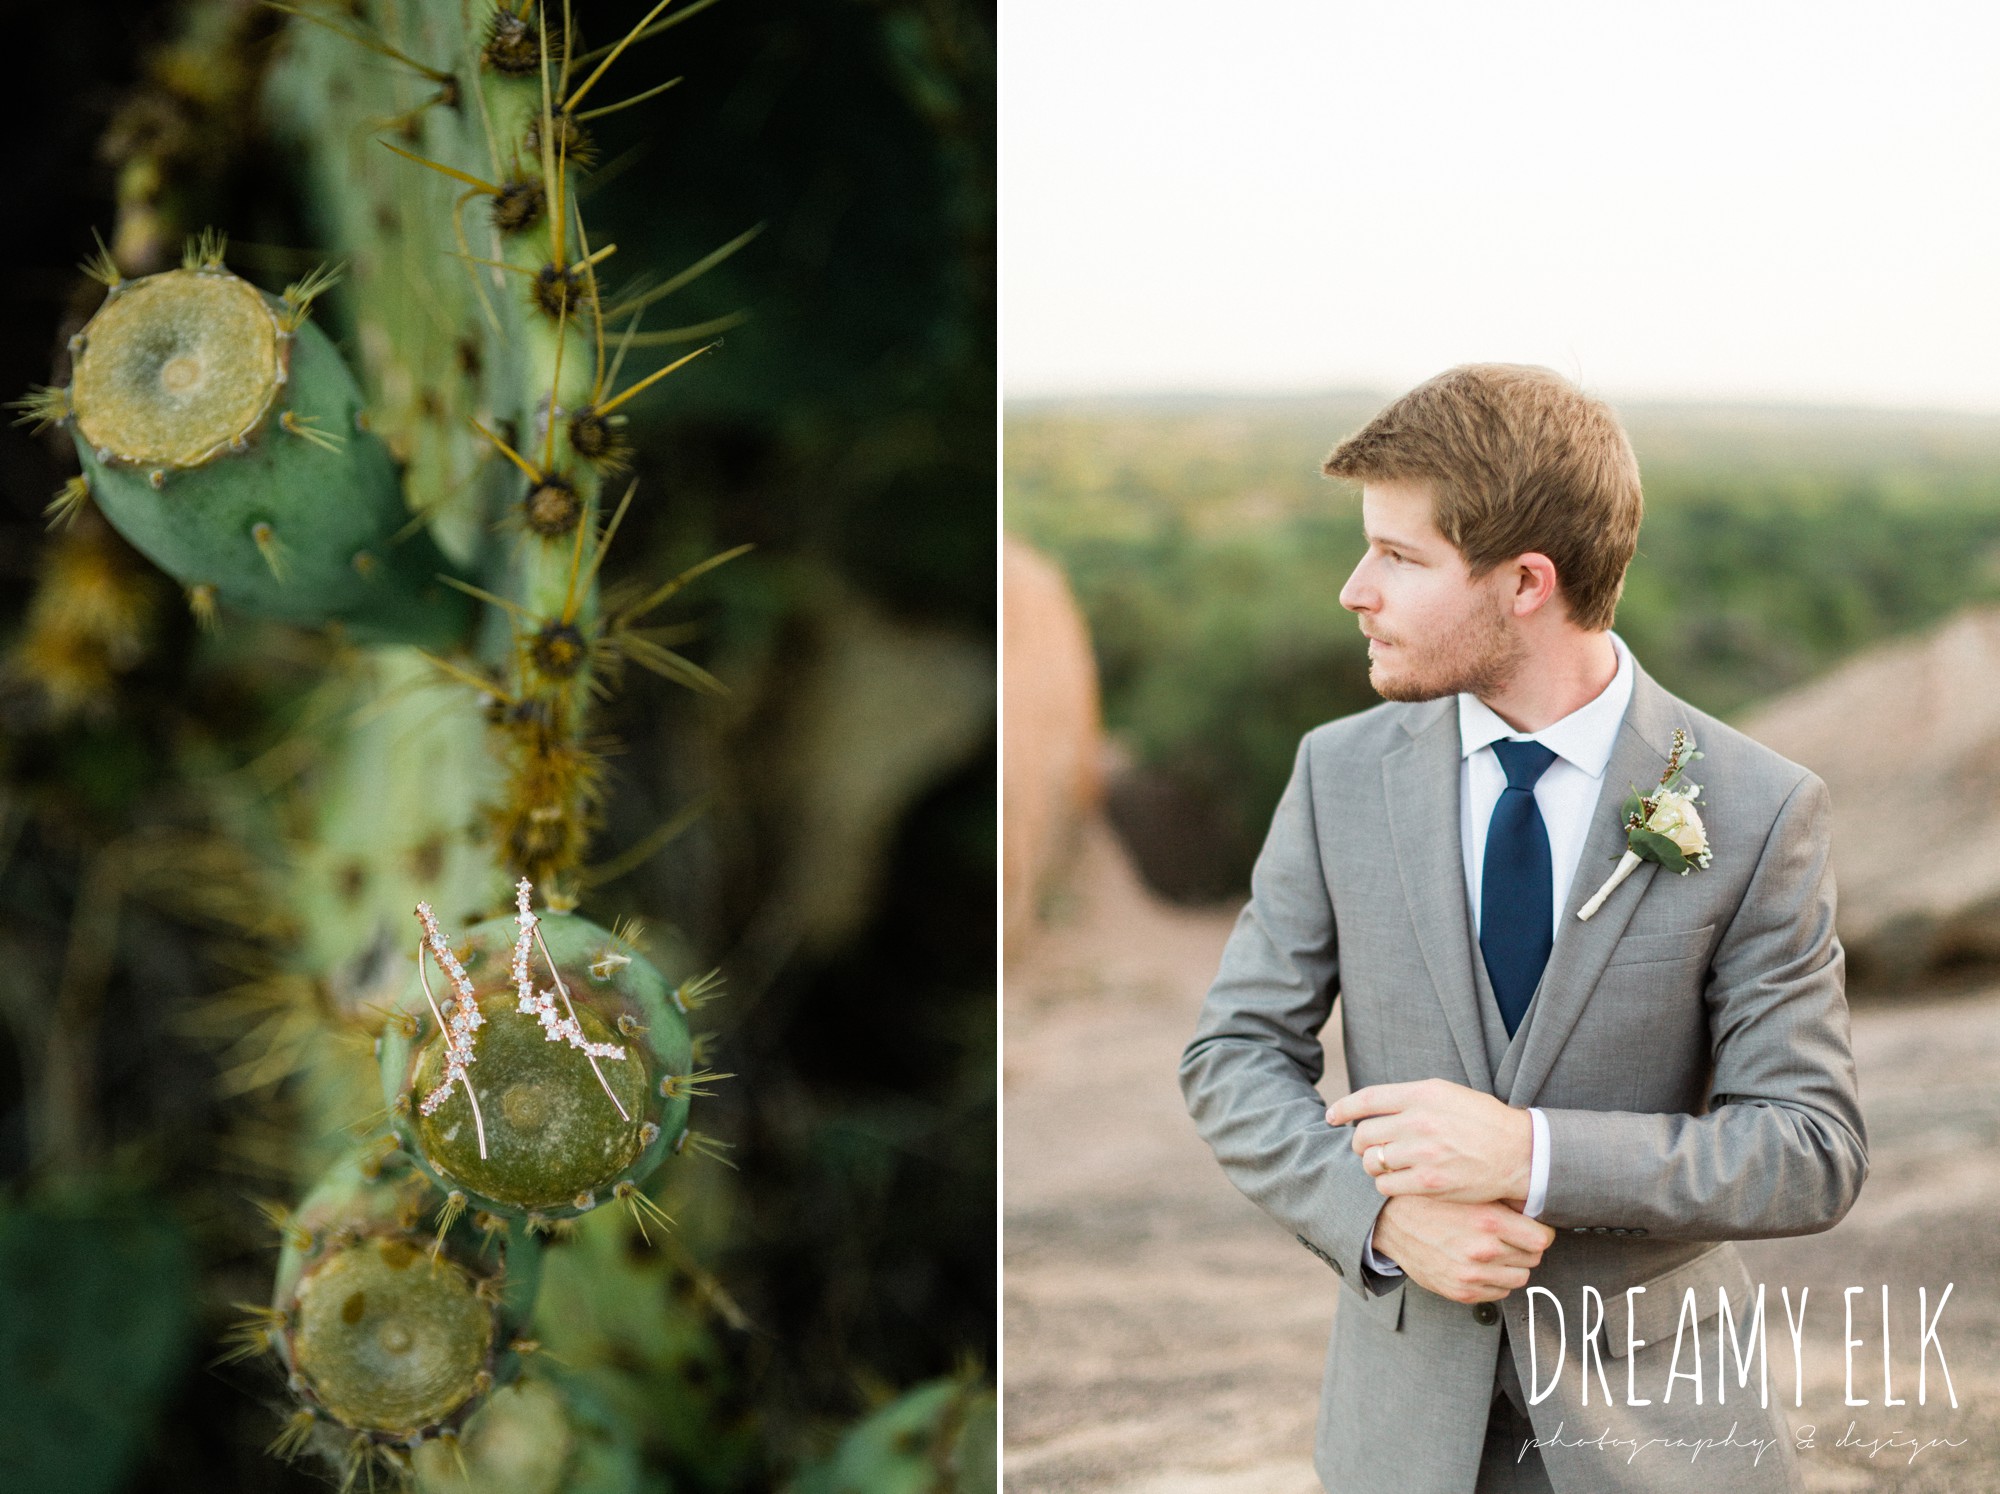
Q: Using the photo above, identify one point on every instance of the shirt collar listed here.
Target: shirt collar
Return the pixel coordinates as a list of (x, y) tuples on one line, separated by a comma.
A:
[(1584, 737)]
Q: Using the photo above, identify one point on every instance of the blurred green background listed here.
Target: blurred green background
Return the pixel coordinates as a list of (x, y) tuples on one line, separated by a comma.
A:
[(1208, 554)]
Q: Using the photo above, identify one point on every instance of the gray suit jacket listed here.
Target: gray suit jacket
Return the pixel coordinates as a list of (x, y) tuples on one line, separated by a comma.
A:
[(1688, 1044)]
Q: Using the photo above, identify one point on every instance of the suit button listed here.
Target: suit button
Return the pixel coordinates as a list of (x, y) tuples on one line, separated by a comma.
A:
[(1600, 1229), (1619, 1229), (1636, 1232), (1486, 1313), (1336, 1266), (1579, 1229)]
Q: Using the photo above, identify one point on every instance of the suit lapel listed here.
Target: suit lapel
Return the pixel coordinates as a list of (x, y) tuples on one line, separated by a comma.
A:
[(1421, 782), (1581, 949)]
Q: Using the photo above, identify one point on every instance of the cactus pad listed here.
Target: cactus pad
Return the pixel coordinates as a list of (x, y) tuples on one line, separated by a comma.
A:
[(387, 1329), (390, 1340), (553, 1137), (520, 1443), (552, 1132), (220, 432), (936, 1439), (545, 1434)]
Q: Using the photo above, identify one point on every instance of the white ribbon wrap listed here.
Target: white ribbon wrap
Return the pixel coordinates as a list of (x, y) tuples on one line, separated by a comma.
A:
[(1627, 864)]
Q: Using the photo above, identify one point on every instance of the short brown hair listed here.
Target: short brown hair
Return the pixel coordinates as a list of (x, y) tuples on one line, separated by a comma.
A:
[(1519, 459)]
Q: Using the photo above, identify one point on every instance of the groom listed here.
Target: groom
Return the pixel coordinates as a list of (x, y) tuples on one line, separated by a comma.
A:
[(1581, 1105)]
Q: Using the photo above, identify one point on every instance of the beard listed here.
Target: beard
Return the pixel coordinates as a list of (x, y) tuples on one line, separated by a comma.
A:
[(1476, 655)]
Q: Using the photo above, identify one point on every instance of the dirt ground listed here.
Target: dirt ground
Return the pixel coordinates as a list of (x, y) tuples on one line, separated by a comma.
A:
[(1164, 1337)]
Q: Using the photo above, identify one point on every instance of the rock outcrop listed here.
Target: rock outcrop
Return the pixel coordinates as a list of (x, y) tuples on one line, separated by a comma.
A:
[(1050, 776), (1907, 737)]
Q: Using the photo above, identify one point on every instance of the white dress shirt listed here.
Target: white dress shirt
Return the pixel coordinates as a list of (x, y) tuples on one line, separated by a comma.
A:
[(1567, 795)]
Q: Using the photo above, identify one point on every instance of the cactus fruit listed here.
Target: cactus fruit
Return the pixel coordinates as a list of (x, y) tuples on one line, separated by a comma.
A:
[(387, 1348), (222, 434), (391, 1334)]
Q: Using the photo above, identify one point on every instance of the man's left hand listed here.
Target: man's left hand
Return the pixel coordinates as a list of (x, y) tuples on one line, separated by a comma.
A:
[(1439, 1139)]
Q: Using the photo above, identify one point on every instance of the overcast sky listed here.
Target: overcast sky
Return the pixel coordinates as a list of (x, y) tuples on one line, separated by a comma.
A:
[(1780, 201)]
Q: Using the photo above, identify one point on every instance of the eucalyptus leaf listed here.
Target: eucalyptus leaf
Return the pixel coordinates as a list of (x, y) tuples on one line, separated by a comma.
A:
[(1654, 846)]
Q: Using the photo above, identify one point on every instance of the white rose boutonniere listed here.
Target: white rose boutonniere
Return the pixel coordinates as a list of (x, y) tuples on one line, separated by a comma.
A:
[(1663, 826)]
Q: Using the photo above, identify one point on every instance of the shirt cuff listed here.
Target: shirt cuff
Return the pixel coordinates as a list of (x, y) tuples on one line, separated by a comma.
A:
[(1538, 1165), (1381, 1265)]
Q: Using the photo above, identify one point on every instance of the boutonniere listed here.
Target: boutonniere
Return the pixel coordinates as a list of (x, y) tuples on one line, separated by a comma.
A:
[(1662, 826)]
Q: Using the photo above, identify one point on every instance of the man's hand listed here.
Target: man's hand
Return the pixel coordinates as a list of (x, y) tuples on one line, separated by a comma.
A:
[(1464, 1252), (1440, 1140)]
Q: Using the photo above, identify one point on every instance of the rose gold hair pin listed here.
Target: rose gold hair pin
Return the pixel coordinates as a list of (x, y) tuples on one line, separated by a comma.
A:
[(465, 1020), (543, 1005)]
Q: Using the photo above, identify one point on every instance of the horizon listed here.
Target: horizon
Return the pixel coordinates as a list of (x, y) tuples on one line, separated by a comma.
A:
[(1358, 394)]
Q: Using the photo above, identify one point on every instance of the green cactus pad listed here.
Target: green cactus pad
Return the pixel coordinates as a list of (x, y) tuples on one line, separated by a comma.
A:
[(390, 1340), (552, 1133), (519, 1443), (936, 1439), (99, 1300), (392, 1330), (555, 1143), (220, 434), (545, 1434)]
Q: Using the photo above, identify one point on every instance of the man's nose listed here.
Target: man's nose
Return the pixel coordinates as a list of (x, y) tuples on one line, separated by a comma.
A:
[(1357, 595)]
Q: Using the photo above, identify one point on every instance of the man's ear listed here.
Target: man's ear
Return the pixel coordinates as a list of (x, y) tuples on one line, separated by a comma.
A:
[(1535, 585)]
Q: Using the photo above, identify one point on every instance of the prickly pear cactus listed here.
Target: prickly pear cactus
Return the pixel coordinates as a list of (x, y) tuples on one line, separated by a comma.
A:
[(439, 503), (491, 353), (410, 442)]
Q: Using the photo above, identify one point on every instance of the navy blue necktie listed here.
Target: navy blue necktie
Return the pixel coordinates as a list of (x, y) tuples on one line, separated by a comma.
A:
[(1517, 886)]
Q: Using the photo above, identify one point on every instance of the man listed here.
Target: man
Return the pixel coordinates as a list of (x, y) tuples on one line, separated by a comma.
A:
[(1539, 1097)]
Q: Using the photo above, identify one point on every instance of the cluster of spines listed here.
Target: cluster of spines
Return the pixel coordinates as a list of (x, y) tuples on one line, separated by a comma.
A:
[(549, 803)]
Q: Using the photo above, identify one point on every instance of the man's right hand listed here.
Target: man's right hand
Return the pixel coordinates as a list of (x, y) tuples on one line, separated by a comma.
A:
[(1464, 1252)]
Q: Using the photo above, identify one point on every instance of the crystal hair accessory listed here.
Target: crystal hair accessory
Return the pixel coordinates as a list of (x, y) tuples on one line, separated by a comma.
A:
[(542, 1005), (466, 1019)]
